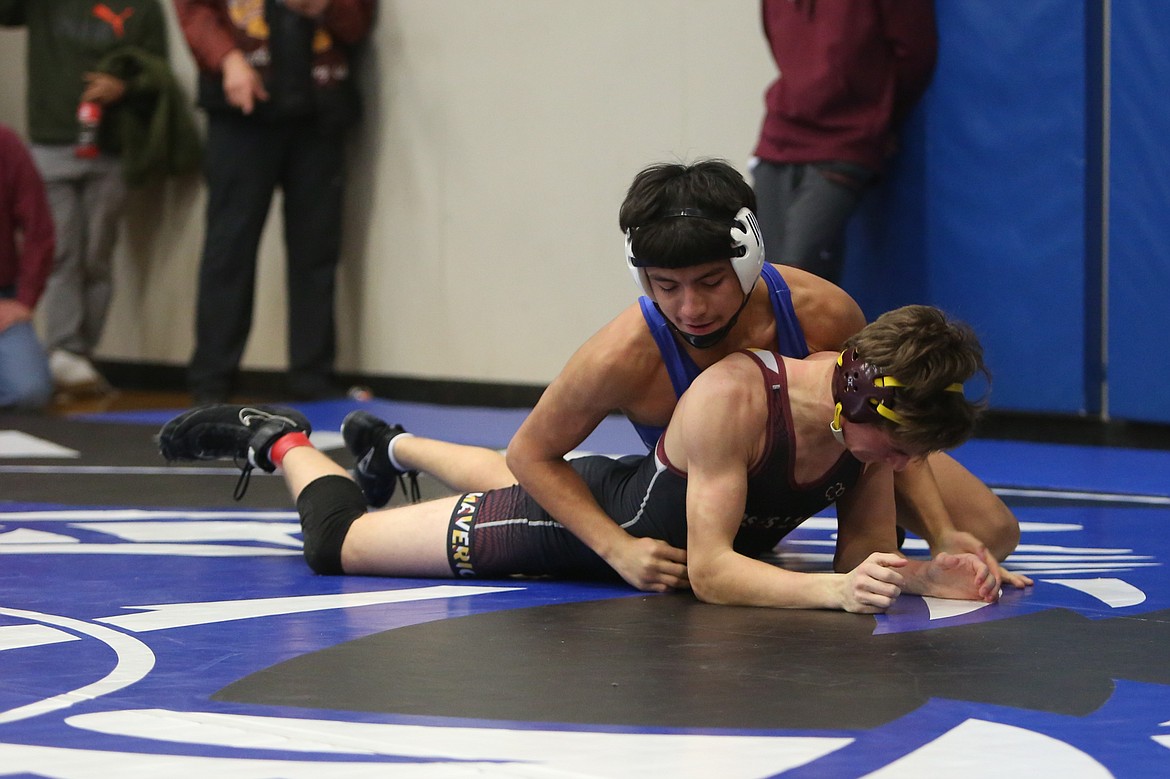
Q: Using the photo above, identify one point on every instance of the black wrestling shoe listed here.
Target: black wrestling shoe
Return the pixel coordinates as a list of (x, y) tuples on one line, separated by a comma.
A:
[(368, 439), (244, 434)]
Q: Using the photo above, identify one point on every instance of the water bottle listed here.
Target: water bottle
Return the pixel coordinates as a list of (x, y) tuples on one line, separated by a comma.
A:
[(89, 116)]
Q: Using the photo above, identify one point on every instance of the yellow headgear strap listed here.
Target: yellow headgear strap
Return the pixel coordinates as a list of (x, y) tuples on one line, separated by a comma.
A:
[(890, 381)]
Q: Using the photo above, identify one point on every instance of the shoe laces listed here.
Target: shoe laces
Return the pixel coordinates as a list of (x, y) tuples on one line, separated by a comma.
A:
[(411, 478), (245, 479)]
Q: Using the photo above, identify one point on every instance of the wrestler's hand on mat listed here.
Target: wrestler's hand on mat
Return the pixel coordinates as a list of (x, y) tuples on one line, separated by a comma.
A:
[(650, 565), (874, 585), (959, 541), (955, 576), (1007, 577)]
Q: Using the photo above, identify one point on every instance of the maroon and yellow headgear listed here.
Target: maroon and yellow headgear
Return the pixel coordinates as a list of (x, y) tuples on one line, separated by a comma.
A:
[(863, 394)]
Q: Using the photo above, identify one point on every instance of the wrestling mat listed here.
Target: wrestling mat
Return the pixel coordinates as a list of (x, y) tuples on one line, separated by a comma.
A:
[(151, 626)]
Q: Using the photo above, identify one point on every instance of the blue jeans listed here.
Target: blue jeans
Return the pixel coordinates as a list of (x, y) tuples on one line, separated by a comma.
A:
[(25, 381)]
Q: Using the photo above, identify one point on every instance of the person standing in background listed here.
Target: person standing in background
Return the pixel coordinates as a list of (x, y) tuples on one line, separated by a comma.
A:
[(74, 120), (275, 81), (26, 257), (849, 71)]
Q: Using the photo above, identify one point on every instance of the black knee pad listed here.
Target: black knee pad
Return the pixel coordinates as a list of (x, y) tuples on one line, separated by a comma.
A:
[(328, 506)]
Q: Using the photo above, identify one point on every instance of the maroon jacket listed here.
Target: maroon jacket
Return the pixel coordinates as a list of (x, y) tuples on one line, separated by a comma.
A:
[(849, 72), (211, 33), (24, 210)]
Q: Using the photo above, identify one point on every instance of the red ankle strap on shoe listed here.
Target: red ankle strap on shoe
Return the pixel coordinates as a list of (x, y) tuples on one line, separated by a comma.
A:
[(283, 444)]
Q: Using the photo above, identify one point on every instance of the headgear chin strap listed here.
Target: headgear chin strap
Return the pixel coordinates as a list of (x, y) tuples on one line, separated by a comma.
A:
[(863, 394), (707, 340), (747, 260)]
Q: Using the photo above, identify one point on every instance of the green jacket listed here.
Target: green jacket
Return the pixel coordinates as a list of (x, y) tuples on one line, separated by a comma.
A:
[(155, 129)]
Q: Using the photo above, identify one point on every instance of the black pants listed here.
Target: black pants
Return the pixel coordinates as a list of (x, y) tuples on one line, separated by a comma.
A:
[(245, 161), (803, 213)]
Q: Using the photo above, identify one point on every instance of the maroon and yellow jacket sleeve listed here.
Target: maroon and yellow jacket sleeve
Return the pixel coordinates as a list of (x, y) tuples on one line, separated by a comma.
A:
[(210, 33)]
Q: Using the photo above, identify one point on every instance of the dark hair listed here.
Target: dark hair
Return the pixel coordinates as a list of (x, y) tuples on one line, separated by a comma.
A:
[(927, 353), (711, 186)]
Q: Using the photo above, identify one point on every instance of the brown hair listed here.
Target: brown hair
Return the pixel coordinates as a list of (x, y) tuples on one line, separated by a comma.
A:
[(927, 353)]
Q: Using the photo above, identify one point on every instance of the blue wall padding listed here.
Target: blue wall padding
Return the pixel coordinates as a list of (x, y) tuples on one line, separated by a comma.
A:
[(1139, 225), (983, 213)]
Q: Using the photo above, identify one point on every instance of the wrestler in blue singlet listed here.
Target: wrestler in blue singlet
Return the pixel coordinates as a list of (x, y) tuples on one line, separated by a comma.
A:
[(682, 369)]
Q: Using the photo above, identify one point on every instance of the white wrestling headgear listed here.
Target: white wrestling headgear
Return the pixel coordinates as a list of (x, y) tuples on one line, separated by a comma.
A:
[(746, 242)]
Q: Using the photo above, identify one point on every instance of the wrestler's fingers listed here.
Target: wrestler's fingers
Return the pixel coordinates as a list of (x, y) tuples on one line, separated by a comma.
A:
[(883, 567), (884, 590), (674, 575), (1014, 579), (887, 559), (875, 602)]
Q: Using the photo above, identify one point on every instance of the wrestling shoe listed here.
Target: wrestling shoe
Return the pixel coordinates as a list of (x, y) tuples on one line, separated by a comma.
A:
[(244, 434), (368, 439)]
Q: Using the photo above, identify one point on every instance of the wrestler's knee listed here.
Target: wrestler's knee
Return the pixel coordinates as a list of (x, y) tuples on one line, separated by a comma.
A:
[(992, 522), (1001, 530), (328, 507)]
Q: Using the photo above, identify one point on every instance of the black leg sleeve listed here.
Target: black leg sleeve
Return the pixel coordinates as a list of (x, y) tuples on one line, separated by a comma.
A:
[(328, 506)]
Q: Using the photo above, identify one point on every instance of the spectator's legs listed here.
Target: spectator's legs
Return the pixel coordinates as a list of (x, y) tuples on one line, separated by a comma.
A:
[(803, 215), (242, 159), (61, 304), (313, 184), (103, 199)]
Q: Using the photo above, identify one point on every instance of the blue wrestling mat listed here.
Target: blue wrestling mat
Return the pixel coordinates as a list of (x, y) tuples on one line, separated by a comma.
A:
[(149, 625)]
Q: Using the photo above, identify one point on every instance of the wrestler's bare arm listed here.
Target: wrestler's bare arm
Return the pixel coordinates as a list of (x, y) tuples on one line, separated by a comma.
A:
[(955, 512), (865, 518), (610, 372), (718, 433)]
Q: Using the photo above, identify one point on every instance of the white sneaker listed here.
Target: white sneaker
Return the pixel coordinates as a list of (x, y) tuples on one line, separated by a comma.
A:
[(73, 371)]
